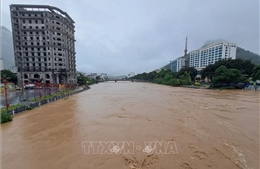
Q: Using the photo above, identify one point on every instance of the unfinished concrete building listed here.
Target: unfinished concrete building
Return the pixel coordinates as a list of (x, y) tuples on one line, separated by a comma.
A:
[(44, 44)]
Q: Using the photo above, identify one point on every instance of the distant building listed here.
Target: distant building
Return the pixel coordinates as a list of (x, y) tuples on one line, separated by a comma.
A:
[(103, 76), (92, 76), (177, 64), (208, 54), (44, 44), (212, 53), (7, 50)]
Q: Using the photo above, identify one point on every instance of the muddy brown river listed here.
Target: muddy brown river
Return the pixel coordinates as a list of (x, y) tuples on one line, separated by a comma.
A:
[(127, 125)]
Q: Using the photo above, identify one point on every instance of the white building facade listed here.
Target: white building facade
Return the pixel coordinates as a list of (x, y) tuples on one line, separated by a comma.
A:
[(210, 54), (177, 64)]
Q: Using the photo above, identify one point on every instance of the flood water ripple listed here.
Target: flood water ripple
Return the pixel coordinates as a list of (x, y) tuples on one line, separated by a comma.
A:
[(209, 129)]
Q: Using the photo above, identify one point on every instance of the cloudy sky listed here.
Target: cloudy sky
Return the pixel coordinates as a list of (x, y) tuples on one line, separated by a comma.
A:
[(122, 36)]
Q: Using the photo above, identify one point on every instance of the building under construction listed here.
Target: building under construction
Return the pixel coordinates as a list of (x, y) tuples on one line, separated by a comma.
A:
[(44, 44)]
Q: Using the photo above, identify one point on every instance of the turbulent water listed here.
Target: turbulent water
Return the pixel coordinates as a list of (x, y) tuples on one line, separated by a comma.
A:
[(200, 128)]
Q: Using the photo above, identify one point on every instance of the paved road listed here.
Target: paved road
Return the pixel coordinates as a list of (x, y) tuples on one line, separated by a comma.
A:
[(20, 97)]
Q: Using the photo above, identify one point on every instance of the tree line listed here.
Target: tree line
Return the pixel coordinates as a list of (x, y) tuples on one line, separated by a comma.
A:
[(167, 77), (231, 72), (227, 72)]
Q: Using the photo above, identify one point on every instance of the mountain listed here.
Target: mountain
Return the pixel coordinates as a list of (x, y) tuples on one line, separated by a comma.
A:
[(7, 50), (166, 66), (213, 42), (247, 55)]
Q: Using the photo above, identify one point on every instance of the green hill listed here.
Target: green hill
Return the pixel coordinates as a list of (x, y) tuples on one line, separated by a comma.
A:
[(247, 55)]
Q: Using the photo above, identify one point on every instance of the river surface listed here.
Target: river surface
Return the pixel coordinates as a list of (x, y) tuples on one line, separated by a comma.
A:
[(137, 125)]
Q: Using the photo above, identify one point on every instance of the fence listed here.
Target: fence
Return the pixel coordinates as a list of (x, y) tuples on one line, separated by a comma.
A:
[(42, 102)]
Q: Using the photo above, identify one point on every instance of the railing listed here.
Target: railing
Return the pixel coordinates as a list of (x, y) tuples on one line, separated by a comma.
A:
[(43, 101)]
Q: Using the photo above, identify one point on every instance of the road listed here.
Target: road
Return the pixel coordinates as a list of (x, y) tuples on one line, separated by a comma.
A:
[(18, 97)]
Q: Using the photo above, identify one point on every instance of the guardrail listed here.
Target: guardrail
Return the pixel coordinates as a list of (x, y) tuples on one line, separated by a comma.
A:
[(42, 102)]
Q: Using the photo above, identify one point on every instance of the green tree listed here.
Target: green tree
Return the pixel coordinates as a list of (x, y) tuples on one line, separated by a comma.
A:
[(167, 78), (223, 75), (185, 79), (244, 66), (208, 72), (11, 77), (158, 80), (256, 73), (174, 82), (163, 72), (191, 70), (82, 78)]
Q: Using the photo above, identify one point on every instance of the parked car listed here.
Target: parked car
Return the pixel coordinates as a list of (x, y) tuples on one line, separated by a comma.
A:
[(29, 86)]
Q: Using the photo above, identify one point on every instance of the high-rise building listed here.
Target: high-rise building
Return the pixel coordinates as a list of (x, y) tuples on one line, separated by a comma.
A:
[(177, 64), (44, 44), (212, 53)]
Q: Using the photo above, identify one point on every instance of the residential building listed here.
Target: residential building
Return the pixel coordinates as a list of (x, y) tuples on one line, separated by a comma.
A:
[(44, 44), (93, 76), (103, 76), (212, 53)]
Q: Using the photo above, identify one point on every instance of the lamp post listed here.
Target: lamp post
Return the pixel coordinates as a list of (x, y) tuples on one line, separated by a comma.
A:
[(52, 85), (5, 88), (39, 85)]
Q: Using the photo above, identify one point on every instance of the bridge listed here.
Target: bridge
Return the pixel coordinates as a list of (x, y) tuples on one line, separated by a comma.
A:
[(123, 80)]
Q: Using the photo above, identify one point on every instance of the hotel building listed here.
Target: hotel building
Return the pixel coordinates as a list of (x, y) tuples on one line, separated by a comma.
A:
[(212, 53)]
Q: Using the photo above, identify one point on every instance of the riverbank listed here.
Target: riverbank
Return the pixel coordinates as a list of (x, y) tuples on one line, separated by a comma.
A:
[(7, 116)]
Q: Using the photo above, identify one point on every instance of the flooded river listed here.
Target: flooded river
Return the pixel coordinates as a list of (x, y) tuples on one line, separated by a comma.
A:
[(137, 125)]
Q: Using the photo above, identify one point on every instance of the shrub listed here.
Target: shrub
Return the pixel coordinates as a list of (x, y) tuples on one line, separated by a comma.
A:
[(159, 81), (174, 82), (185, 79), (29, 108), (5, 117)]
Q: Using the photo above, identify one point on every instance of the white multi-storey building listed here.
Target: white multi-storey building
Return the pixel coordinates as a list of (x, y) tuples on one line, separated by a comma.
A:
[(212, 53), (177, 64)]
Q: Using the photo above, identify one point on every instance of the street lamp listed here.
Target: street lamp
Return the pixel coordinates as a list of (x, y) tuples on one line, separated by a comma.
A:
[(5, 88), (52, 85)]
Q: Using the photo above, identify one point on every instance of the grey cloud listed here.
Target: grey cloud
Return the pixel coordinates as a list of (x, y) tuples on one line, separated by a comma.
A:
[(119, 37)]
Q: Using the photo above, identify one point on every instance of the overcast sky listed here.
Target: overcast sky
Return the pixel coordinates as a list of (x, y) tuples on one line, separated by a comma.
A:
[(122, 36)]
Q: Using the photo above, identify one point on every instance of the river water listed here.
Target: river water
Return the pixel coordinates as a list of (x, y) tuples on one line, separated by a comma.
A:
[(200, 128)]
